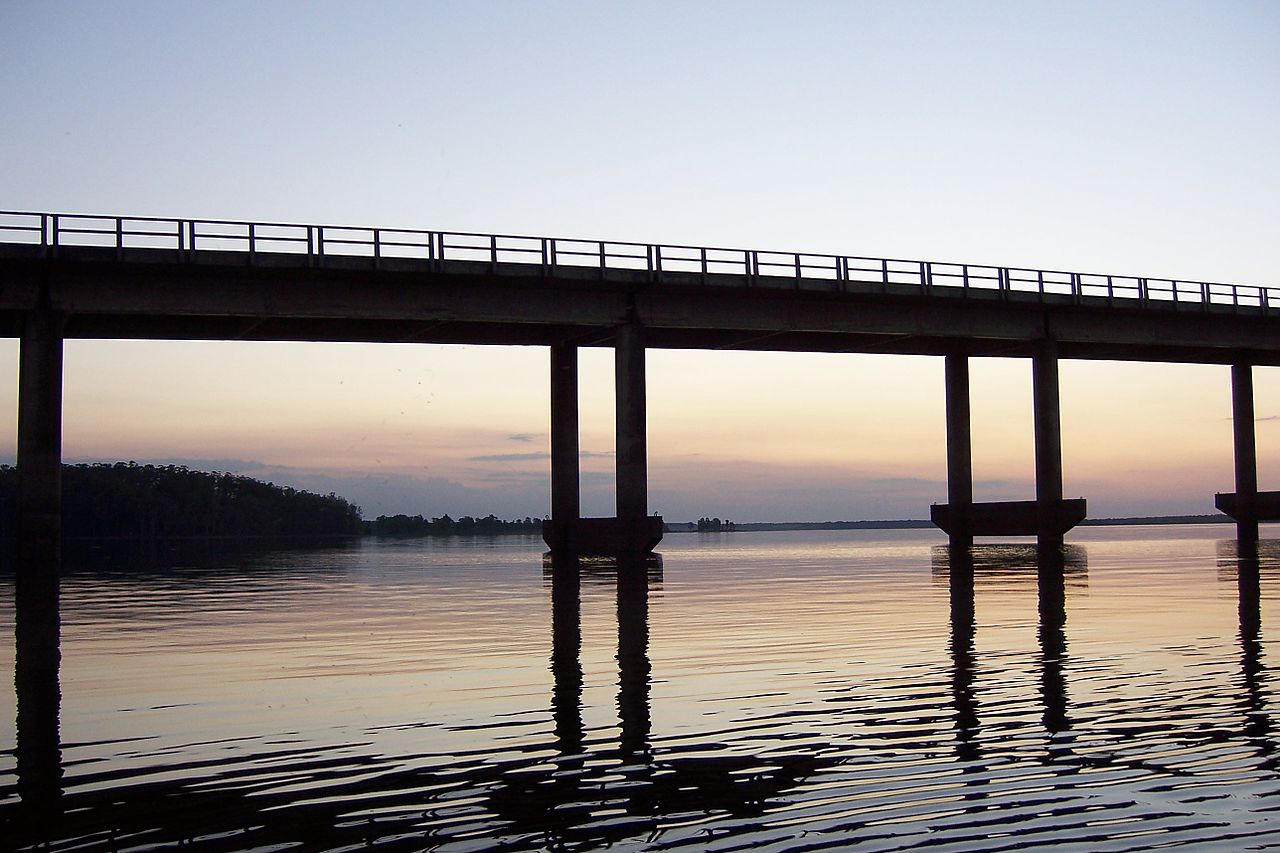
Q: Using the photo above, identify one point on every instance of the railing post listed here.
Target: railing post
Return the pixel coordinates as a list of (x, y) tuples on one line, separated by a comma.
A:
[(884, 274), (44, 229), (703, 253), (798, 276), (311, 246), (119, 236), (554, 258), (600, 248), (319, 241), (377, 248), (493, 253), (253, 241)]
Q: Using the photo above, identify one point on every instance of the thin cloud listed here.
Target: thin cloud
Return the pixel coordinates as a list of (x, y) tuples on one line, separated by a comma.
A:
[(524, 437), (512, 457), (536, 455)]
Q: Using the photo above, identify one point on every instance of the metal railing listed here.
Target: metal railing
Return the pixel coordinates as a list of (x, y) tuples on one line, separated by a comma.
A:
[(662, 262)]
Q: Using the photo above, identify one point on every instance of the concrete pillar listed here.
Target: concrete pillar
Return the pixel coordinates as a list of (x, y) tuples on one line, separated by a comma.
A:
[(1246, 453), (565, 487), (959, 449), (39, 557), (632, 474), (1048, 439)]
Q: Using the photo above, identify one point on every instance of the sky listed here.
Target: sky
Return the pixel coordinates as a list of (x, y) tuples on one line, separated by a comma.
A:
[(1130, 138)]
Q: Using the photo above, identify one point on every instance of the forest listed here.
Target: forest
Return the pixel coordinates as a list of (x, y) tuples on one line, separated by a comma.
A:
[(125, 500)]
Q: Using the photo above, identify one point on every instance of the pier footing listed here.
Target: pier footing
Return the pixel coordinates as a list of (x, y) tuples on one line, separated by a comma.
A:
[(603, 537), (1010, 518), (1266, 506)]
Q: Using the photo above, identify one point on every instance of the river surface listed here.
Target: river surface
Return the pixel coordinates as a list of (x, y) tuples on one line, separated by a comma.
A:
[(853, 690)]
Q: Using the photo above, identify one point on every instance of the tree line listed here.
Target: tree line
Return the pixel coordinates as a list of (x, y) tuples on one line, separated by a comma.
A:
[(417, 525), (127, 500)]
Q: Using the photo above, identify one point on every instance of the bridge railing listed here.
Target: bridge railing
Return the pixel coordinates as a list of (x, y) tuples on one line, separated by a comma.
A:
[(662, 262)]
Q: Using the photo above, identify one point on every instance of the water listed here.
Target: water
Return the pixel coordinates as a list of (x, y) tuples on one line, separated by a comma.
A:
[(782, 691)]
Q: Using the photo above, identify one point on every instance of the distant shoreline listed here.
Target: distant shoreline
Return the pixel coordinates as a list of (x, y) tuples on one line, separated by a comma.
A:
[(917, 524)]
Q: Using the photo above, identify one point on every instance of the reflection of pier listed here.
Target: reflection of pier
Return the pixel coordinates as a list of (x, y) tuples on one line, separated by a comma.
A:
[(1052, 570)]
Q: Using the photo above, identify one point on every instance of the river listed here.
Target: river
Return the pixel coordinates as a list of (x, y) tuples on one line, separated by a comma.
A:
[(841, 690)]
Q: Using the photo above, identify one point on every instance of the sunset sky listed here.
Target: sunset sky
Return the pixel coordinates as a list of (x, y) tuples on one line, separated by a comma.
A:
[(1132, 138)]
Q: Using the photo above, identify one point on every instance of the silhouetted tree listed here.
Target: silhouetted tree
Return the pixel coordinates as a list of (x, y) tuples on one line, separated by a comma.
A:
[(127, 500)]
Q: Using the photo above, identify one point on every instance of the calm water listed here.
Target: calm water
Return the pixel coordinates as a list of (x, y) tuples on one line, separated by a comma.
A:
[(784, 691)]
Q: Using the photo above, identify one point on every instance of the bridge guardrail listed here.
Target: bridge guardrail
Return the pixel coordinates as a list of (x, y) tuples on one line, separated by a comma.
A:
[(659, 260)]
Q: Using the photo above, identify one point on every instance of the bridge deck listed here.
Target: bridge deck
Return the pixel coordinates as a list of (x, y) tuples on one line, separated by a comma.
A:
[(144, 278)]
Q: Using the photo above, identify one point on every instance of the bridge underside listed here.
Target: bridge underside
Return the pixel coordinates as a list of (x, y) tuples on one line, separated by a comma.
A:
[(147, 294)]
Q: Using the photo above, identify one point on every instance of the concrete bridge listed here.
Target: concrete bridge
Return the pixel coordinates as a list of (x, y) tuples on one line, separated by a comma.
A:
[(138, 277)]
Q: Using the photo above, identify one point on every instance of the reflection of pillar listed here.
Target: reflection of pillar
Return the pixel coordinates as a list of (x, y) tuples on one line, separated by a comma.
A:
[(566, 649), (633, 656), (565, 488), (960, 575), (631, 462), (959, 450), (1252, 671), (1245, 453), (1048, 440), (1053, 638), (37, 629)]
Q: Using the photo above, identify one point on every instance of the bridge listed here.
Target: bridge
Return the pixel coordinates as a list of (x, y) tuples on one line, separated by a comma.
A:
[(74, 276)]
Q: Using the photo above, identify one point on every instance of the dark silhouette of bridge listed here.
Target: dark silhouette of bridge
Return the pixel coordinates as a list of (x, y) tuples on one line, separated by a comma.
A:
[(141, 277), (65, 276)]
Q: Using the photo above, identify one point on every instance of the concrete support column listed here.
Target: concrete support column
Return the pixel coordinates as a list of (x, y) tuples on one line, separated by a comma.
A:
[(39, 557), (565, 485), (1246, 453), (632, 467), (959, 450), (1048, 440)]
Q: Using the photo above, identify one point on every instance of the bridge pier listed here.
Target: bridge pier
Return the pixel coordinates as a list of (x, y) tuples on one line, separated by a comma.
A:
[(959, 451), (632, 530), (565, 482), (39, 556), (1246, 505), (1048, 517), (1048, 441), (1246, 452)]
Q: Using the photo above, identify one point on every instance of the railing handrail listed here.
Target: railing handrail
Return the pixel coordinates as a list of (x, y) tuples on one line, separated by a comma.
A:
[(660, 260)]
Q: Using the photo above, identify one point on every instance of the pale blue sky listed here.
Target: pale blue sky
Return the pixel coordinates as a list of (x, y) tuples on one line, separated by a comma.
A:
[(1120, 137)]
